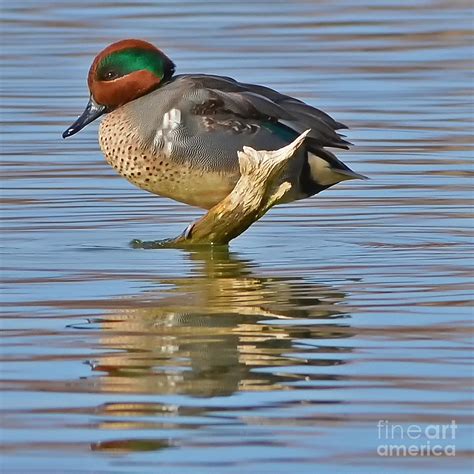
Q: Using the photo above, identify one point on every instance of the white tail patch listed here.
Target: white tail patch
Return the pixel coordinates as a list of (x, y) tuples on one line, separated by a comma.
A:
[(324, 175)]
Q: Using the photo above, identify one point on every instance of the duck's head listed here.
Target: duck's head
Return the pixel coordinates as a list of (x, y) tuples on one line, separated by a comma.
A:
[(119, 74)]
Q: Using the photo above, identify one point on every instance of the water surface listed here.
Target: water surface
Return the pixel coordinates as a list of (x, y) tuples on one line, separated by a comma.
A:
[(327, 316)]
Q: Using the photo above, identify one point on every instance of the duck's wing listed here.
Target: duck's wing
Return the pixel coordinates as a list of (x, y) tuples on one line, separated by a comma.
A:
[(219, 95)]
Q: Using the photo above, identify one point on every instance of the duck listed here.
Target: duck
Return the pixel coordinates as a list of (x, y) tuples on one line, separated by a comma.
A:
[(178, 136)]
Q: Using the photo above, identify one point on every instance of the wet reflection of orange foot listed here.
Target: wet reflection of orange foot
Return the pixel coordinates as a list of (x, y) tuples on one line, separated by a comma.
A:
[(206, 334)]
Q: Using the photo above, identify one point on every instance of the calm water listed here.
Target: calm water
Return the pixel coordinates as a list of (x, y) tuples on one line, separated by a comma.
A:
[(282, 354)]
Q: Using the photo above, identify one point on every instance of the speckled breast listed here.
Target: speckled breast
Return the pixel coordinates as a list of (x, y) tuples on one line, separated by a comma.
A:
[(153, 170)]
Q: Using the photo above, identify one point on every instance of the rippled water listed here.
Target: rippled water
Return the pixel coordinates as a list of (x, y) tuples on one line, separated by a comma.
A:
[(327, 316)]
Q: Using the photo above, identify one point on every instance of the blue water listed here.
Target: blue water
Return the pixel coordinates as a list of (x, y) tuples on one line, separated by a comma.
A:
[(325, 318)]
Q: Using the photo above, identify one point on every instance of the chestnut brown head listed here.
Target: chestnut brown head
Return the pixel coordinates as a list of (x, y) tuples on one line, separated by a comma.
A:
[(122, 72)]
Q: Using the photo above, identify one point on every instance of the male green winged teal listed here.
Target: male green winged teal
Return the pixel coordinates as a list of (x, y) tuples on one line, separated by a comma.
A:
[(178, 135)]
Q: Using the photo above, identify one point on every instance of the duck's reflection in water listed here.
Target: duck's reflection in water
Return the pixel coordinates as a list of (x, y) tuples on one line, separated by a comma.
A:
[(223, 329)]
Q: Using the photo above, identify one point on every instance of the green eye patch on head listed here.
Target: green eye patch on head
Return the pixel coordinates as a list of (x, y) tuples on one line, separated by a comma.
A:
[(126, 61)]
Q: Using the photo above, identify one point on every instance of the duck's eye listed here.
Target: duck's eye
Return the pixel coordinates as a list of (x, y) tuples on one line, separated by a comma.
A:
[(109, 75)]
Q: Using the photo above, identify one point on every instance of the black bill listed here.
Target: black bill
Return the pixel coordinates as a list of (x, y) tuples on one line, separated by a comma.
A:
[(92, 112)]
